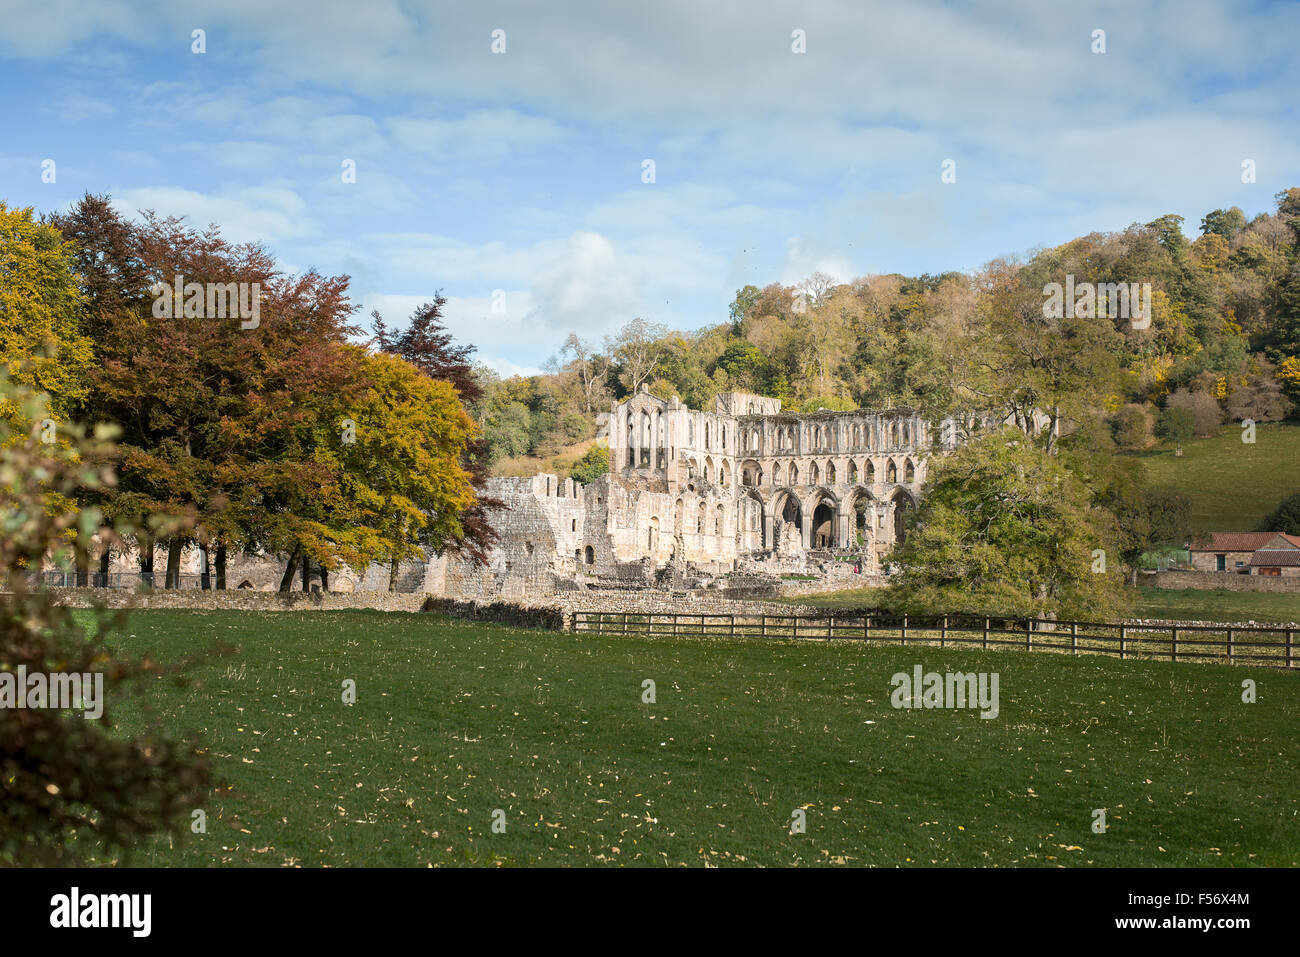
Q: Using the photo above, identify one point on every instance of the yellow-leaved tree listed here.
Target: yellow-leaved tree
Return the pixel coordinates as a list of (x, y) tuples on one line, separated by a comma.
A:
[(40, 302)]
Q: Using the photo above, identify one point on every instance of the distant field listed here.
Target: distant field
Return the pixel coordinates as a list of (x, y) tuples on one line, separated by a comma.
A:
[(1232, 485), (1177, 605), (455, 720)]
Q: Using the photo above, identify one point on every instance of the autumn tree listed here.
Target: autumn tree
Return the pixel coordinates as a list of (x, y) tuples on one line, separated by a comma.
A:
[(401, 480), (426, 344), (41, 342)]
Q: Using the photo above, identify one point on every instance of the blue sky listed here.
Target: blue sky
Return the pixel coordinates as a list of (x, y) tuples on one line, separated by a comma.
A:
[(522, 171)]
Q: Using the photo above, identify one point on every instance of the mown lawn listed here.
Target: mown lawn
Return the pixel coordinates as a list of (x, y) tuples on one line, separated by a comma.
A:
[(454, 720), (1187, 604), (1232, 485)]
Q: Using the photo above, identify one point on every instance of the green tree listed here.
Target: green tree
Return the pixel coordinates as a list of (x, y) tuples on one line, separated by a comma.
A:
[(1176, 424), (1285, 518), (593, 464), (746, 299), (1005, 529), (1224, 222)]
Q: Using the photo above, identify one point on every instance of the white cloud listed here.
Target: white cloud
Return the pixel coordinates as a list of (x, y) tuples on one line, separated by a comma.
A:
[(251, 214)]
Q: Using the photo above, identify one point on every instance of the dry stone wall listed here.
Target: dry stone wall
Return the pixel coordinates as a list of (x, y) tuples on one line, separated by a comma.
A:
[(1230, 581)]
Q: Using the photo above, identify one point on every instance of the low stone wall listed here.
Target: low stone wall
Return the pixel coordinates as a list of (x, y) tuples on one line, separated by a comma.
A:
[(550, 617), (244, 599), (651, 603), (1213, 580)]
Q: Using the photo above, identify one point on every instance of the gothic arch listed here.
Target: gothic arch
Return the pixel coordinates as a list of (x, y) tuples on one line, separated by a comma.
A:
[(825, 511), (903, 503)]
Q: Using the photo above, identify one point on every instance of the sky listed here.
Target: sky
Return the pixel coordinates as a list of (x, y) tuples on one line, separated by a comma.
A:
[(515, 179)]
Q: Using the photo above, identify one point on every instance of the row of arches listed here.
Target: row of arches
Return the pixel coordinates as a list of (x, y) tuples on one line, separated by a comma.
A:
[(645, 440), (825, 520), (833, 437), (721, 474), (815, 473)]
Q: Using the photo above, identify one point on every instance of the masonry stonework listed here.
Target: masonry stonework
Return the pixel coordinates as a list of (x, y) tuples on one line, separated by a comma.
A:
[(743, 490)]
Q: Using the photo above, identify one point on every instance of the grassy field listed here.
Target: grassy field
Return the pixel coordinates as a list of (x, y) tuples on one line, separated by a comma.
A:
[(454, 720), (1232, 485), (1187, 604)]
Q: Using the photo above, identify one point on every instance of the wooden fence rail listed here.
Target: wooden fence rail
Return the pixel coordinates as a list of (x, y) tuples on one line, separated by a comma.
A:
[(1239, 644)]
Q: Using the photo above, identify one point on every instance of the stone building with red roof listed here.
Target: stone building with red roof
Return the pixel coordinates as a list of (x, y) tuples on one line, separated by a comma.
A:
[(1249, 553)]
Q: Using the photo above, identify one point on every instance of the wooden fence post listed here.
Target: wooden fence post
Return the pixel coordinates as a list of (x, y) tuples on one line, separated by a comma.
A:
[(904, 629), (1229, 646), (1074, 637), (943, 632), (1173, 649), (733, 626), (763, 626), (985, 642), (1123, 637), (1029, 633), (830, 626), (1290, 640), (866, 627)]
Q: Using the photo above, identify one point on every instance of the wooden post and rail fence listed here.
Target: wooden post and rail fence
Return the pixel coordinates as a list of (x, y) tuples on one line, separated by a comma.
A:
[(1258, 645)]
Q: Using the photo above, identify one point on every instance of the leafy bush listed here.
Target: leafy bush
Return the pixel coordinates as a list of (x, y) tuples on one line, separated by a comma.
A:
[(68, 783), (592, 465), (1176, 424), (1204, 409), (1133, 427)]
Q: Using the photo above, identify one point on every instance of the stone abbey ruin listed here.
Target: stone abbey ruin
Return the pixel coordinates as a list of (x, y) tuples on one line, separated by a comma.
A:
[(735, 498)]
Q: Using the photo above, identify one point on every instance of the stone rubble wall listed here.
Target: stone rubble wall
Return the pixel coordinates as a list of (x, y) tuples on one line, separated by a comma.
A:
[(241, 599), (1230, 581)]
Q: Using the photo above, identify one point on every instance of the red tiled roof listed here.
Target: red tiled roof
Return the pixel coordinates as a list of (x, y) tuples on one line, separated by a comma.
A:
[(1237, 541), (1289, 557)]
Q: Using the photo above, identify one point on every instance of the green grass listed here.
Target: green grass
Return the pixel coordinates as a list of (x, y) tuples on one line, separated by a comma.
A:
[(1191, 604), (1188, 604), (1232, 485), (456, 719)]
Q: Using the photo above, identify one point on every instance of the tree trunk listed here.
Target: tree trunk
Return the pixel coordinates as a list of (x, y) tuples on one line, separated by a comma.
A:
[(105, 557), (324, 578), (392, 575), (145, 558), (287, 581), (83, 566), (174, 546), (221, 566), (306, 573)]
